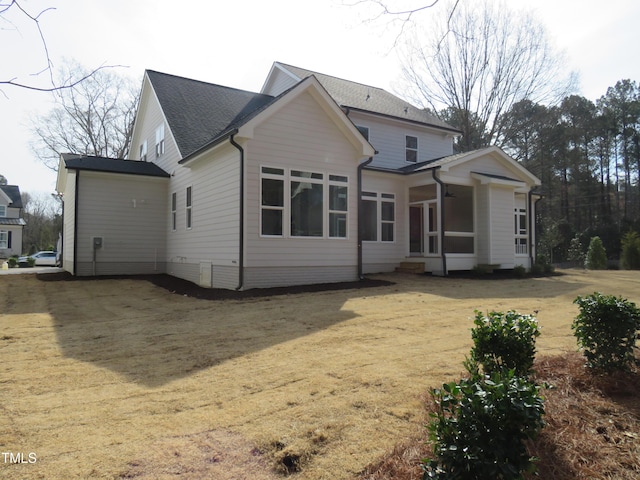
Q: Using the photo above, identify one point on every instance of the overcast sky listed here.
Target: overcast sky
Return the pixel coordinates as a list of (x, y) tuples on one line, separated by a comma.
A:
[(235, 43)]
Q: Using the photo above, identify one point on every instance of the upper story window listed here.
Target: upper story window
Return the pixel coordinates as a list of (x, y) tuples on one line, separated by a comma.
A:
[(143, 151), (411, 148), (160, 140), (189, 207), (3, 210)]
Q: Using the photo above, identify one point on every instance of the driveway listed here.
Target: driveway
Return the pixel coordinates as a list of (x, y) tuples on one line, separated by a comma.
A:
[(19, 271)]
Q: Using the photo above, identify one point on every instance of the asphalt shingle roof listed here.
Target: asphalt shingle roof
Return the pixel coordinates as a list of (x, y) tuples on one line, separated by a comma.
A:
[(358, 96), (198, 112), (112, 165), (13, 192)]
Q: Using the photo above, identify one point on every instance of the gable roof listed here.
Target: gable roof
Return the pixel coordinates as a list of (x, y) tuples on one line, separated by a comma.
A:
[(452, 160), (365, 98), (112, 165), (199, 112), (13, 192)]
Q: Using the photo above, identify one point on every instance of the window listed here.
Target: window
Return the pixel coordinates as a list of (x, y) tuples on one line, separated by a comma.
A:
[(3, 210), (306, 204), (4, 239), (272, 201), (159, 140), (378, 226), (459, 219), (173, 210), (387, 217), (316, 205), (143, 151), (520, 231), (338, 202), (189, 205), (411, 149), (364, 131)]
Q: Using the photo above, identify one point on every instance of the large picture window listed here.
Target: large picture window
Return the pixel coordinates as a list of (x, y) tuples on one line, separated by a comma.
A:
[(298, 203)]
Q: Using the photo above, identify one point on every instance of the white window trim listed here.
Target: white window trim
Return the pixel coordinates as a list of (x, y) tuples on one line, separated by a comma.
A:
[(379, 199), (188, 207), (160, 140), (4, 239), (521, 234), (407, 149), (287, 178), (174, 211), (143, 151)]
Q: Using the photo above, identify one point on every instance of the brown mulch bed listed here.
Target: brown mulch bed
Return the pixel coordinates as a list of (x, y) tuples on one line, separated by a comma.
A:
[(184, 287), (592, 427)]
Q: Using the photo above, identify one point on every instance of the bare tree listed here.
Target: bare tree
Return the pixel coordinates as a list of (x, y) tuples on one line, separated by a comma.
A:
[(94, 118), (43, 215), (477, 63), (13, 15)]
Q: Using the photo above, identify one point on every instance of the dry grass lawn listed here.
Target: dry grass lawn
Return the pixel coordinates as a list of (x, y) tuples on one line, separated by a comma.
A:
[(120, 379)]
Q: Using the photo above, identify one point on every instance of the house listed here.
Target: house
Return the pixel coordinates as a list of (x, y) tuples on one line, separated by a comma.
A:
[(11, 221), (315, 179)]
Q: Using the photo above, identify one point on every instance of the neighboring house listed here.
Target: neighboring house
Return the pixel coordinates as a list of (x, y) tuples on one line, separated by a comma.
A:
[(11, 221), (315, 179)]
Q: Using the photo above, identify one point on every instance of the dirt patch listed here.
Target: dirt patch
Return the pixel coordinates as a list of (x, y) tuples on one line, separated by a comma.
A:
[(102, 377)]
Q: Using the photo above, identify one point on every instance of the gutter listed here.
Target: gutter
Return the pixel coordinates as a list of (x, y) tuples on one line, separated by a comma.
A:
[(360, 168), (241, 226), (442, 193)]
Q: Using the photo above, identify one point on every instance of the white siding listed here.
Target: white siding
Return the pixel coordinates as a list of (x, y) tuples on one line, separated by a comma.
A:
[(300, 136), (483, 224), (502, 243), (128, 213), (214, 235), (68, 228), (278, 83), (388, 138)]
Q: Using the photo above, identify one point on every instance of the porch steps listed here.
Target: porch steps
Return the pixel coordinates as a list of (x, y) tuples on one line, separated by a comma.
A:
[(410, 267)]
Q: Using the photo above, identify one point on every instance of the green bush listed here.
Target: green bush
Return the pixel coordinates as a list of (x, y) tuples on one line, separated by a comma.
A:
[(575, 253), (519, 271), (630, 256), (606, 329), (503, 341), (31, 262), (13, 262), (479, 427), (596, 255)]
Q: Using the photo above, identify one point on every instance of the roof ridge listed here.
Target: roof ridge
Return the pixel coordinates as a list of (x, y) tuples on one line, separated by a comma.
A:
[(203, 82), (314, 72)]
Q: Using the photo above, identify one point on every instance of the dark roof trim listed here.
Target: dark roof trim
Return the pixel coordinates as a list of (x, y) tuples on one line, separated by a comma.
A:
[(394, 117), (12, 221), (13, 192), (113, 165)]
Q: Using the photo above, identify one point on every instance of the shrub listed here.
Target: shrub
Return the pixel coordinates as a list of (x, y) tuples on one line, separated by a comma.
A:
[(31, 262), (504, 341), (596, 255), (13, 262), (630, 256), (519, 271), (606, 329), (576, 251), (479, 428)]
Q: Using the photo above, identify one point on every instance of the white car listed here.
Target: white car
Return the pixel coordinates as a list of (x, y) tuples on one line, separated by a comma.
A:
[(41, 258)]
